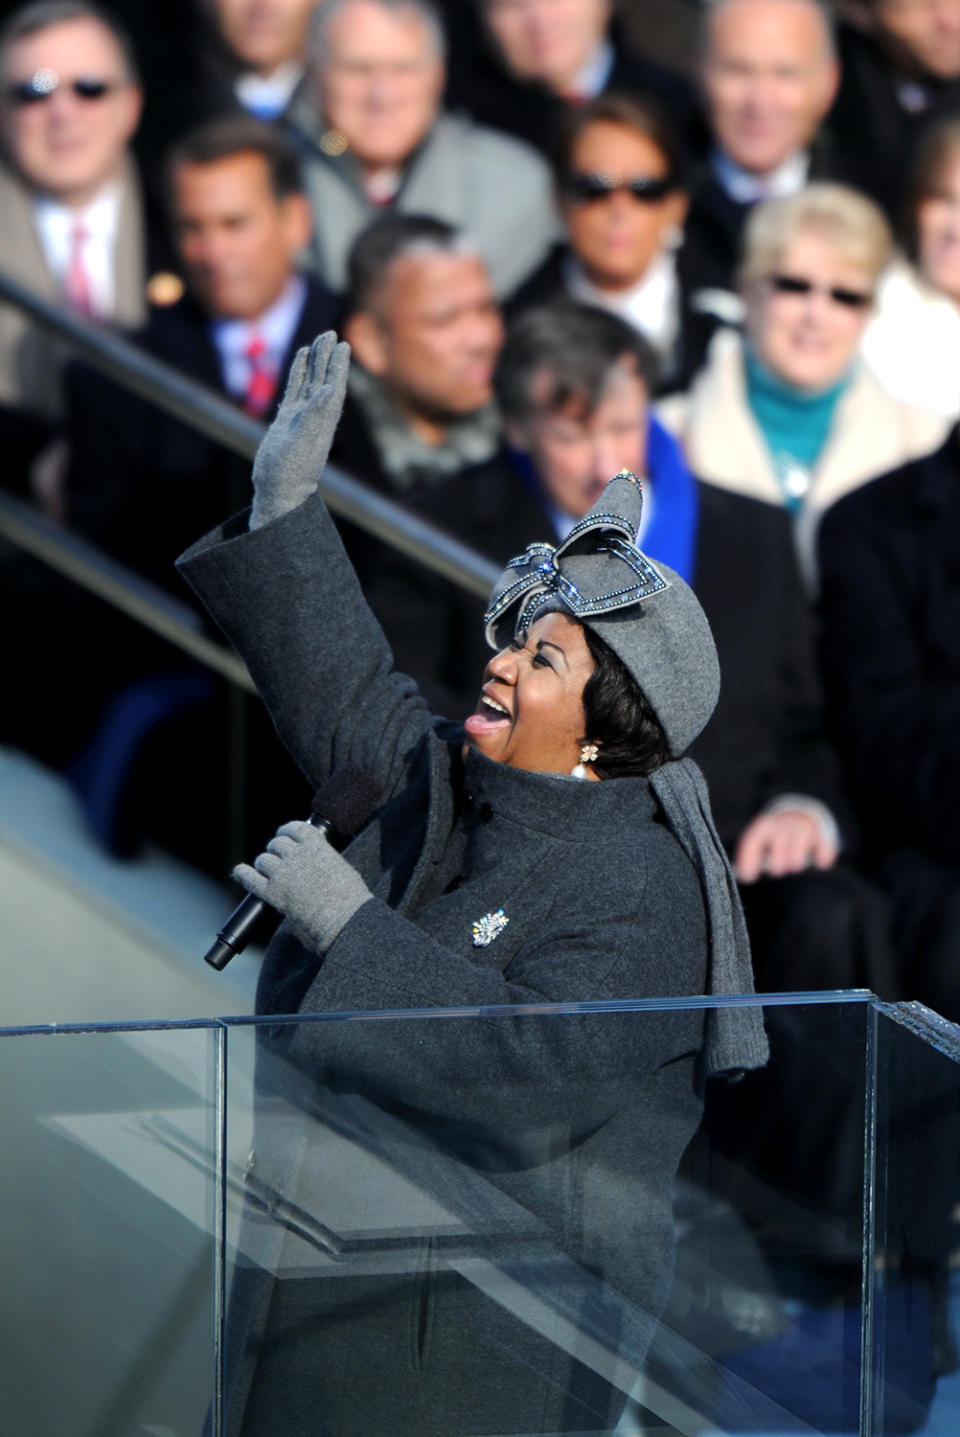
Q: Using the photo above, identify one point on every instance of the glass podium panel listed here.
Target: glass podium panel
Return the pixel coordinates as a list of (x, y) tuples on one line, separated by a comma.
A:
[(915, 1212), (515, 1222), (108, 1213), (502, 1221)]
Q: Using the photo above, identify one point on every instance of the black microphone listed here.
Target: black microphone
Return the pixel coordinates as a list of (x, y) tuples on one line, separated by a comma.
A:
[(340, 807)]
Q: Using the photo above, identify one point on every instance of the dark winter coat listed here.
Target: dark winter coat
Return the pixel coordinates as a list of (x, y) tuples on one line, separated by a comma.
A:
[(890, 555), (567, 1130)]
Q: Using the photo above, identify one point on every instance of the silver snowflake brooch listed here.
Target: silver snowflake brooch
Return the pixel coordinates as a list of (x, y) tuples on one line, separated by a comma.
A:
[(490, 926)]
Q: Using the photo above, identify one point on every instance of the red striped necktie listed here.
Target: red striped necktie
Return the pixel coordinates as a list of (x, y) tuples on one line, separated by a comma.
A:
[(76, 289), (262, 378)]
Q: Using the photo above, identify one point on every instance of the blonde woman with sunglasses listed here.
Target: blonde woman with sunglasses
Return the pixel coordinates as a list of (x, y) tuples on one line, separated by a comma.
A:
[(788, 412)]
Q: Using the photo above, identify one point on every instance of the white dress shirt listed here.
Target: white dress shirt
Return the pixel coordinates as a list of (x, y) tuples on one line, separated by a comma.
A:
[(267, 96), (595, 71), (275, 327), (746, 188), (100, 219), (652, 306)]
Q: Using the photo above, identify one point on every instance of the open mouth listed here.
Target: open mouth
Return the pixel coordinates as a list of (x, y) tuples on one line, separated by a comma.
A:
[(489, 716)]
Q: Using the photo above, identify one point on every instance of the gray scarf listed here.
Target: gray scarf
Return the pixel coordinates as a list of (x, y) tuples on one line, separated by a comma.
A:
[(735, 1036)]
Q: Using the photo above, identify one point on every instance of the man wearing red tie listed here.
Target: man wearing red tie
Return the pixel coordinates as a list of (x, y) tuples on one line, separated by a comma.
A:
[(140, 483), (72, 219), (240, 221)]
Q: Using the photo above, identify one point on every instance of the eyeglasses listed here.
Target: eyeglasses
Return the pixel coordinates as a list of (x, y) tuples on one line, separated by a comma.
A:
[(42, 84), (794, 284), (581, 188)]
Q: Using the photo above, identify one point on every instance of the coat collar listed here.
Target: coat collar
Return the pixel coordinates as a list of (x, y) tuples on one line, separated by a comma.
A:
[(546, 802), (871, 433)]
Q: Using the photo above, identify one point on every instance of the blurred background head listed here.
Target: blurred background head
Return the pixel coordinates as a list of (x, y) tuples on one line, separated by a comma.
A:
[(933, 216), (573, 385), (422, 319), (379, 66), (263, 35), (921, 35), (620, 189), (69, 98), (239, 215), (547, 40), (811, 264), (769, 76)]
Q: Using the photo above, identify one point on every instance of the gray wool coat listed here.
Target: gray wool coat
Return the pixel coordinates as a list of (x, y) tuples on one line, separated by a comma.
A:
[(567, 1130), (495, 188)]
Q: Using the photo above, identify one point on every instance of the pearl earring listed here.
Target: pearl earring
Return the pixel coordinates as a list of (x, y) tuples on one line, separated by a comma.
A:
[(588, 754)]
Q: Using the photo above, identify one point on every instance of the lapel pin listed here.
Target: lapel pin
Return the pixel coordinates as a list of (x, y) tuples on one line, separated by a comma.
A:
[(490, 926)]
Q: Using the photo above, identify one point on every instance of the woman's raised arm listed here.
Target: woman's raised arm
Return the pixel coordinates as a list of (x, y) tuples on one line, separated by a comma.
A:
[(285, 593)]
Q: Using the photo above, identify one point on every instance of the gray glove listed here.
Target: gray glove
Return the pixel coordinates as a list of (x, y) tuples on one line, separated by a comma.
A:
[(307, 881), (297, 444)]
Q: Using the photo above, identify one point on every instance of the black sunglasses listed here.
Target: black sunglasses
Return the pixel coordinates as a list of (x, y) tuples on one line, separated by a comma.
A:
[(793, 284), (581, 188), (43, 83)]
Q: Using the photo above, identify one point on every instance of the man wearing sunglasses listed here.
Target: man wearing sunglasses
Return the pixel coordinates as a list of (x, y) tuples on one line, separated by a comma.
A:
[(72, 223)]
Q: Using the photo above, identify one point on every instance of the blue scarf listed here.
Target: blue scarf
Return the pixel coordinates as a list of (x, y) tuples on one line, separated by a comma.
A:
[(671, 535)]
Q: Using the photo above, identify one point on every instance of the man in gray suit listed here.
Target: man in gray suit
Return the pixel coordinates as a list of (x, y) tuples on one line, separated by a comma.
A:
[(72, 224), (383, 143)]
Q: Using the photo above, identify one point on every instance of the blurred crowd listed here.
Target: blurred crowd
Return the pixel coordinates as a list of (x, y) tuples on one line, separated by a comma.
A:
[(728, 260)]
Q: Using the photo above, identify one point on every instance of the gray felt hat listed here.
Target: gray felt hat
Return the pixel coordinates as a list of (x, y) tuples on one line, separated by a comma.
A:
[(646, 613)]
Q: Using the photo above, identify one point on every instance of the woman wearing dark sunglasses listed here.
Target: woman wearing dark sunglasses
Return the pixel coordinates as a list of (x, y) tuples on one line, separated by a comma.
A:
[(788, 412), (620, 191)]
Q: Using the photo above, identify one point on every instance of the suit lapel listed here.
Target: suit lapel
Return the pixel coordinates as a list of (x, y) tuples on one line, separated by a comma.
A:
[(436, 176), (130, 247), (22, 250)]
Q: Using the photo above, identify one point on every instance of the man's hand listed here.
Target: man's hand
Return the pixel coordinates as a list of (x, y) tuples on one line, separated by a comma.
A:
[(786, 841), (297, 444)]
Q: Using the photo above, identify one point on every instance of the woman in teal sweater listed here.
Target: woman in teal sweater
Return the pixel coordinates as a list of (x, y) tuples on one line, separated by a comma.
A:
[(788, 412)]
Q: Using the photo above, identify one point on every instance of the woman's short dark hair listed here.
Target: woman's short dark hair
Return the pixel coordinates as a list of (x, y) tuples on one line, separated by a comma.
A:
[(937, 152), (620, 720), (640, 114)]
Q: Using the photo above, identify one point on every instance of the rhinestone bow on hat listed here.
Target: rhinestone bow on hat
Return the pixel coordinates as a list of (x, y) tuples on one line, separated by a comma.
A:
[(644, 611), (598, 567)]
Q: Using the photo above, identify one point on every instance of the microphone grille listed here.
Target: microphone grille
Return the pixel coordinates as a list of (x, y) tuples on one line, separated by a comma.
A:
[(347, 799)]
